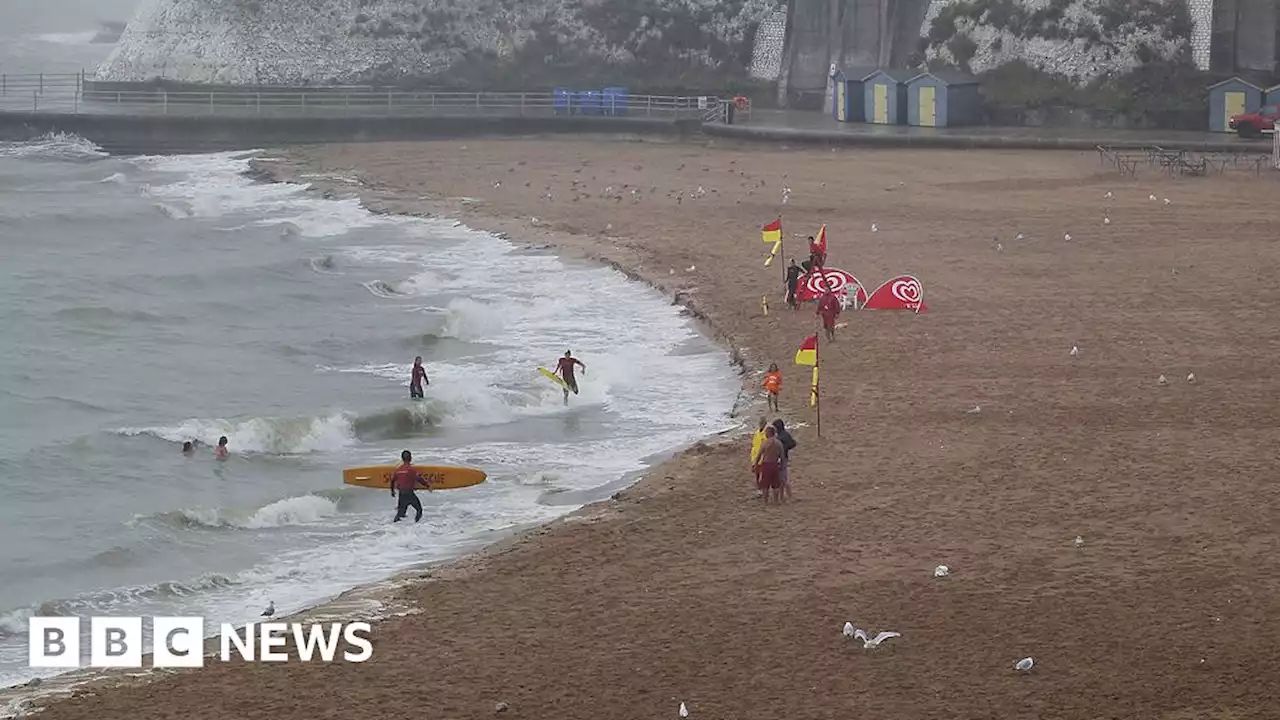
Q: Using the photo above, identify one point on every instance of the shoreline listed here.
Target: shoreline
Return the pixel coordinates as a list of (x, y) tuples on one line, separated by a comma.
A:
[(378, 601), (968, 436)]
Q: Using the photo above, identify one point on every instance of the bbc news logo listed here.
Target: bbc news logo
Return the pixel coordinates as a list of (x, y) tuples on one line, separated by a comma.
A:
[(55, 642)]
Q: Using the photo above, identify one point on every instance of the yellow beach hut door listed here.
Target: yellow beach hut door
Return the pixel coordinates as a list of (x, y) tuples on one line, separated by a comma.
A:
[(1234, 102), (881, 103), (928, 106), (842, 107)]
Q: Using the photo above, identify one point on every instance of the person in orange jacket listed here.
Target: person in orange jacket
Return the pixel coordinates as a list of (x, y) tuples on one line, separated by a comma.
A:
[(772, 385)]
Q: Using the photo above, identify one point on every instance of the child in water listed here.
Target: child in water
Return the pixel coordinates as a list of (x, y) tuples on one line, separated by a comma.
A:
[(773, 385), (221, 452)]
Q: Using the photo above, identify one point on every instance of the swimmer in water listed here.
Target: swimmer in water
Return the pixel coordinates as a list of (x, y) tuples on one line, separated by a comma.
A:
[(221, 451), (188, 448)]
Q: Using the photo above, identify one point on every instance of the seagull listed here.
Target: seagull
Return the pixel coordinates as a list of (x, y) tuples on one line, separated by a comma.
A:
[(1162, 380), (684, 711), (849, 629), (999, 247), (1191, 377), (1108, 195), (941, 571), (1153, 198), (1019, 236), (1106, 221), (1079, 541), (1067, 237), (873, 643), (973, 410), (1167, 201), (1075, 351), (271, 610), (497, 184), (875, 228), (692, 268), (1024, 665), (533, 220)]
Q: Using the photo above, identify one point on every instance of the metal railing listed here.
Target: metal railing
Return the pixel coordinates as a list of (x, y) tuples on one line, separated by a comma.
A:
[(73, 94)]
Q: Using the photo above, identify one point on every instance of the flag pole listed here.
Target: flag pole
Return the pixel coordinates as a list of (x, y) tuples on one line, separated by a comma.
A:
[(782, 251), (817, 395)]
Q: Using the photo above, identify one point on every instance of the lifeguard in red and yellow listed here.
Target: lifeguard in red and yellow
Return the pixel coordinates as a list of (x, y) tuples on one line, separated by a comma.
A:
[(772, 385)]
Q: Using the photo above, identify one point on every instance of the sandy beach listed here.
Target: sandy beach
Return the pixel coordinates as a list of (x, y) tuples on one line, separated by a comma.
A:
[(968, 436)]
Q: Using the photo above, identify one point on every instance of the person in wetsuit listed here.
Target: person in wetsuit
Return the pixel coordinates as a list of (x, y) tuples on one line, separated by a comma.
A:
[(793, 281), (417, 379), (564, 368), (405, 479)]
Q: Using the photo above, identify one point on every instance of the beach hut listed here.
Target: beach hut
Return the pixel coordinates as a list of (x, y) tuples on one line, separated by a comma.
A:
[(885, 96), (943, 98), (846, 91), (1229, 98)]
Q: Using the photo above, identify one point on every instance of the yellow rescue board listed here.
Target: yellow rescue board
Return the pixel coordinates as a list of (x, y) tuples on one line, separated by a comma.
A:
[(440, 477), (554, 378)]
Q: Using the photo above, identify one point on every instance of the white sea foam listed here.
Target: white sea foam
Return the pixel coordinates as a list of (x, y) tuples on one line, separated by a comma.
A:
[(213, 186), (54, 146), (293, 511), (277, 436)]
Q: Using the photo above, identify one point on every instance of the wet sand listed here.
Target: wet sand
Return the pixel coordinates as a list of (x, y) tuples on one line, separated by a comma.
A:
[(685, 588)]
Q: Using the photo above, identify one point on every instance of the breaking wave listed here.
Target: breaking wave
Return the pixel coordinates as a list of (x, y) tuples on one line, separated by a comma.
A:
[(301, 510), (296, 436), (58, 146), (14, 622)]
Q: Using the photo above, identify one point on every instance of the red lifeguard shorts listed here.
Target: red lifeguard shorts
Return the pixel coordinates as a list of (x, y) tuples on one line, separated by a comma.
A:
[(770, 476)]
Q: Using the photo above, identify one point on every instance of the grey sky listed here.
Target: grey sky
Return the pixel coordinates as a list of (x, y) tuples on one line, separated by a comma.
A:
[(19, 17)]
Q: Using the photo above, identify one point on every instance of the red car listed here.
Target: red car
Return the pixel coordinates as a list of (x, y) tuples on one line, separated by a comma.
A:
[(1253, 124)]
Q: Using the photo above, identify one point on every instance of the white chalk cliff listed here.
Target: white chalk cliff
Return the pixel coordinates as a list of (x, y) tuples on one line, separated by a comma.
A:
[(348, 41)]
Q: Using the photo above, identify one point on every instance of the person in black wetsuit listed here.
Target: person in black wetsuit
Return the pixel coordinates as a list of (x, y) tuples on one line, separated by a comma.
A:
[(794, 272)]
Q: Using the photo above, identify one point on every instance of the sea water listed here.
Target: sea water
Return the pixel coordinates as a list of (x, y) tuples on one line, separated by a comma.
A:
[(149, 301)]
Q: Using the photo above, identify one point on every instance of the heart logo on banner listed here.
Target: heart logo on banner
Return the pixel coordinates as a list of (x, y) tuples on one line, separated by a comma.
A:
[(908, 291)]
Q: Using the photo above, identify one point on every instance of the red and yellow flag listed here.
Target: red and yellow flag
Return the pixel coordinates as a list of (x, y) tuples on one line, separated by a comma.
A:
[(808, 352), (772, 233)]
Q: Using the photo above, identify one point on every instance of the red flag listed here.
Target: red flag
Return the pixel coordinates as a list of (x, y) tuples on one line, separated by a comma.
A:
[(820, 240)]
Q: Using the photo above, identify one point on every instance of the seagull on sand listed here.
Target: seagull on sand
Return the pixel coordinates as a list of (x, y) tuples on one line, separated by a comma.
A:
[(1108, 195), (684, 711), (1075, 351), (848, 630), (1079, 541), (1191, 377), (973, 410), (1024, 665), (1162, 380), (871, 643), (941, 571), (270, 611)]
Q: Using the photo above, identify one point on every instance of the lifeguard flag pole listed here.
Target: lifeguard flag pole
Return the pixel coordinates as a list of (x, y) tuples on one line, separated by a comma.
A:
[(808, 355), (813, 390)]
